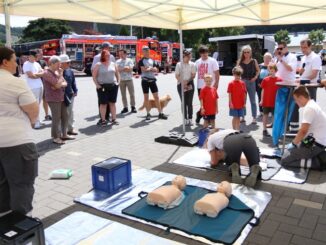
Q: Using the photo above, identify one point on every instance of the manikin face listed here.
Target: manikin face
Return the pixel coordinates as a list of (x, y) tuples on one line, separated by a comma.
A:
[(225, 187)]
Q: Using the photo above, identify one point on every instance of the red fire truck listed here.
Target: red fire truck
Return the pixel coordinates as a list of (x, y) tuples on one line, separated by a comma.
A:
[(82, 48), (170, 55), (48, 47)]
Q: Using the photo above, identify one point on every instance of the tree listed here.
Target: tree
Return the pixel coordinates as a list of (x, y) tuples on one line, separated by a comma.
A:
[(317, 38), (124, 31), (282, 35), (43, 29)]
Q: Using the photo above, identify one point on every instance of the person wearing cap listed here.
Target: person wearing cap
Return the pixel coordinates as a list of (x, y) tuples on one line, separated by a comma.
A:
[(34, 72), (54, 86), (148, 69), (70, 91), (185, 73), (97, 58)]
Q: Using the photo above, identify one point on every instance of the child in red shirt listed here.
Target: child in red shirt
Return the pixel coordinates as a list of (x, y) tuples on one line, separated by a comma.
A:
[(269, 90), (237, 97), (208, 102)]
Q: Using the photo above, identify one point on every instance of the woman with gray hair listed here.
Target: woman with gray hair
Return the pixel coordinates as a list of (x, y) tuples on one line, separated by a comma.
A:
[(54, 85), (250, 74)]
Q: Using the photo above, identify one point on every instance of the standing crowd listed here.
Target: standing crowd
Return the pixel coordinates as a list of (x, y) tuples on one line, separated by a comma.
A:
[(54, 83)]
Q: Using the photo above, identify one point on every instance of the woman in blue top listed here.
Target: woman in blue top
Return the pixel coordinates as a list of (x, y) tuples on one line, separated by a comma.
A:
[(263, 73)]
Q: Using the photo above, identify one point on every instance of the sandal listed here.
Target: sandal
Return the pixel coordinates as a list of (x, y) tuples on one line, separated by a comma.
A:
[(68, 138), (58, 141), (115, 122)]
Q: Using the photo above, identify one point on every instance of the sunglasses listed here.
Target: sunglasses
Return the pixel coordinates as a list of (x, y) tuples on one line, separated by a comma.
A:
[(279, 49)]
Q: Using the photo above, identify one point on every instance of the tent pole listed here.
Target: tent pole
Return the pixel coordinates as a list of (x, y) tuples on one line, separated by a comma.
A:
[(182, 85), (7, 23)]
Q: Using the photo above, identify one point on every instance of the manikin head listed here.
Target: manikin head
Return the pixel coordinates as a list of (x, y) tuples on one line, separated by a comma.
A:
[(225, 187), (180, 182)]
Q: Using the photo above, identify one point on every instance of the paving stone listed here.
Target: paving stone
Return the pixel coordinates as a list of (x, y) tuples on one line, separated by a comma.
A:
[(268, 228), (284, 219), (299, 240), (281, 238), (320, 233), (308, 221), (284, 202), (295, 211), (308, 204), (317, 197), (305, 232), (257, 239)]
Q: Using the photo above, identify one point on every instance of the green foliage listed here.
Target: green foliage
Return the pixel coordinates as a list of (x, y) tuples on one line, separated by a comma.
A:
[(317, 37), (16, 32), (124, 31), (43, 29), (282, 35)]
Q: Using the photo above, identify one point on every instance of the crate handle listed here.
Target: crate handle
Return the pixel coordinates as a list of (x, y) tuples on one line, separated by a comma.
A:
[(142, 194)]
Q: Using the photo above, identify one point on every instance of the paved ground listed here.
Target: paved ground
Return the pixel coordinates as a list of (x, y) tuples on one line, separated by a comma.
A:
[(296, 214)]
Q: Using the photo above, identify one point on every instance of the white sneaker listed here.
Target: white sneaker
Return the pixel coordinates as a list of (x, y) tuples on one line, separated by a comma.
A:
[(190, 122), (37, 125)]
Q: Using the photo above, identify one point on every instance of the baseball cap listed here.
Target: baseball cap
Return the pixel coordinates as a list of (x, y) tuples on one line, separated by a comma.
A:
[(145, 48), (186, 52), (64, 58), (106, 45)]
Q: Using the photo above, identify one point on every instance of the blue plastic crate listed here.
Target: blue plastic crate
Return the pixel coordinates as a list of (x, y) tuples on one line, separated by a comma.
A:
[(112, 175)]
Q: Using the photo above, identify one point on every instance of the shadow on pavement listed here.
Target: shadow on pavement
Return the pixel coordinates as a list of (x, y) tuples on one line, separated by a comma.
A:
[(46, 145), (94, 129), (143, 123)]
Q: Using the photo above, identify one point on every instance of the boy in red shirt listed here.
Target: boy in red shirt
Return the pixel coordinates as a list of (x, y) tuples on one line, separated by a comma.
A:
[(237, 97), (208, 102), (268, 95)]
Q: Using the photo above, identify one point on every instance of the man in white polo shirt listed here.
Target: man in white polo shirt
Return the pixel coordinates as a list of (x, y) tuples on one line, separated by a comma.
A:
[(206, 65), (286, 63), (310, 141), (311, 66)]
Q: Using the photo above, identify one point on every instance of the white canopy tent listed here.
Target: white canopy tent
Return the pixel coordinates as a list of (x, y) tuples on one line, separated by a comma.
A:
[(171, 14)]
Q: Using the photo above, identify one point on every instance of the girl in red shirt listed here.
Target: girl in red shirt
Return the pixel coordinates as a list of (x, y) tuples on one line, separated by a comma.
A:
[(208, 101)]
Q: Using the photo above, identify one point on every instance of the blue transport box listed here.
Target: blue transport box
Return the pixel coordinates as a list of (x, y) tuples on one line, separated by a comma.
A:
[(112, 175)]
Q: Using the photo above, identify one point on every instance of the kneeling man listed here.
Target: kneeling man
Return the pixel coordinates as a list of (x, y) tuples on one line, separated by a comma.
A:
[(310, 141)]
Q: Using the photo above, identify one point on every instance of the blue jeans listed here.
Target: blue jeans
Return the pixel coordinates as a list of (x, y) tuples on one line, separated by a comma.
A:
[(251, 90)]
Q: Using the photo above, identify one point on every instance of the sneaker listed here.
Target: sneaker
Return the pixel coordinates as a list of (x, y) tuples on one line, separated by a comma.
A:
[(48, 118), (133, 109), (269, 125), (265, 133), (235, 171), (190, 122), (162, 116), (124, 110), (148, 117), (254, 121), (255, 172), (37, 125), (242, 120)]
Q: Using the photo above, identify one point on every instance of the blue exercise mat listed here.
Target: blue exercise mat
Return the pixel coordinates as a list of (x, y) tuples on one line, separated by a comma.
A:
[(225, 228), (279, 113)]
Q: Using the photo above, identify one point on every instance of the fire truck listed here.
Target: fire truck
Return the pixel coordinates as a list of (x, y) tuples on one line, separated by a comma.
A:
[(48, 47), (170, 55), (82, 48)]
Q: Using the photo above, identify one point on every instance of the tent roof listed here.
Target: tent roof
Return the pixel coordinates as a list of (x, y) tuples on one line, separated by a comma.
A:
[(190, 14)]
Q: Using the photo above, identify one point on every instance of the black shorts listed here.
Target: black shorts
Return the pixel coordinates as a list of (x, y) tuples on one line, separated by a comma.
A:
[(108, 93), (209, 117), (146, 86), (267, 110)]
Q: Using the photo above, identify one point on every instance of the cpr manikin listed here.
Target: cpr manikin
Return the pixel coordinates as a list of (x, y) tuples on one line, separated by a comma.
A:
[(168, 196), (211, 204)]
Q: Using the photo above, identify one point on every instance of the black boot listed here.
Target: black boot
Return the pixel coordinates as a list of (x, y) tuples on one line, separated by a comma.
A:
[(255, 172), (236, 176)]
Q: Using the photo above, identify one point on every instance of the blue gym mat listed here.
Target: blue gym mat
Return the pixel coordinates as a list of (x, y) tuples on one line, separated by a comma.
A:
[(225, 228)]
